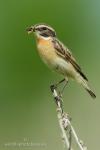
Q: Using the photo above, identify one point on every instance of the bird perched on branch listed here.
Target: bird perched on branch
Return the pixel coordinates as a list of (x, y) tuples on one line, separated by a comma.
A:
[(57, 56)]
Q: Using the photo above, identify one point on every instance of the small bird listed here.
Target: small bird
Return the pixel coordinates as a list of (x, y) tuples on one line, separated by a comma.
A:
[(57, 56)]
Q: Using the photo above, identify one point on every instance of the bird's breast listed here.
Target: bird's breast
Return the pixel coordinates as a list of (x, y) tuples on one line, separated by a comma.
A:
[(47, 51), (49, 56)]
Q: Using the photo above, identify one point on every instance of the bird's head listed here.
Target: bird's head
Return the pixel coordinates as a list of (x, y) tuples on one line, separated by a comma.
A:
[(42, 31)]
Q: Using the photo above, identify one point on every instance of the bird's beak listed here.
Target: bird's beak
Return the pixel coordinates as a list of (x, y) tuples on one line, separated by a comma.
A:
[(30, 29)]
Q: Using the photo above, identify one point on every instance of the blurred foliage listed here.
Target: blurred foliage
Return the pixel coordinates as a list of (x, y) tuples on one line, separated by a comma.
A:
[(27, 110)]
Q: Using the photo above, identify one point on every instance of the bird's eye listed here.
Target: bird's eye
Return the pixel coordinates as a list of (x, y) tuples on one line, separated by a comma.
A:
[(41, 29), (44, 28)]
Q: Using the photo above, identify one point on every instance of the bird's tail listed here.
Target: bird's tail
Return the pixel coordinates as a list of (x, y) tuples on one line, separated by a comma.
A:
[(91, 93), (84, 83)]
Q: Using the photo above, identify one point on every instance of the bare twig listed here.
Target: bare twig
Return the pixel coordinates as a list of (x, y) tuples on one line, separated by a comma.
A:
[(65, 123)]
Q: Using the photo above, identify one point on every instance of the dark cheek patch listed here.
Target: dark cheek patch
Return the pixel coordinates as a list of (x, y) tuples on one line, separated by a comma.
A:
[(51, 33), (44, 34), (48, 33)]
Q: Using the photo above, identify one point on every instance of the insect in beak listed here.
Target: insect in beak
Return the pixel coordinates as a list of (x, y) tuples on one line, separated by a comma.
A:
[(30, 29)]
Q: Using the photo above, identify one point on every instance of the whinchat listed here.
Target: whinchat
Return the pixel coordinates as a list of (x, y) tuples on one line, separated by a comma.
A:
[(57, 56)]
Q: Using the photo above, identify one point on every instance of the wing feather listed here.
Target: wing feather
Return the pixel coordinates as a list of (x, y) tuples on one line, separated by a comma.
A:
[(64, 52)]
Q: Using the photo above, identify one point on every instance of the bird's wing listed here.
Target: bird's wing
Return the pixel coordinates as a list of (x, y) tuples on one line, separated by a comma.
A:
[(65, 53)]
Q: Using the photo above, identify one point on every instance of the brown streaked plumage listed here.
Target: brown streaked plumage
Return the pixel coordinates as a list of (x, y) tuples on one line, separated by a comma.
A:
[(57, 56), (64, 52)]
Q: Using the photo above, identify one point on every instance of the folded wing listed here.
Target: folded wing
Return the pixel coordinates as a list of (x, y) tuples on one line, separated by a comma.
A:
[(64, 52)]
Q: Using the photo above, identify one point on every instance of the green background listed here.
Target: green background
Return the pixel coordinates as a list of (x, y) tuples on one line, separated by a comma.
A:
[(27, 110)]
